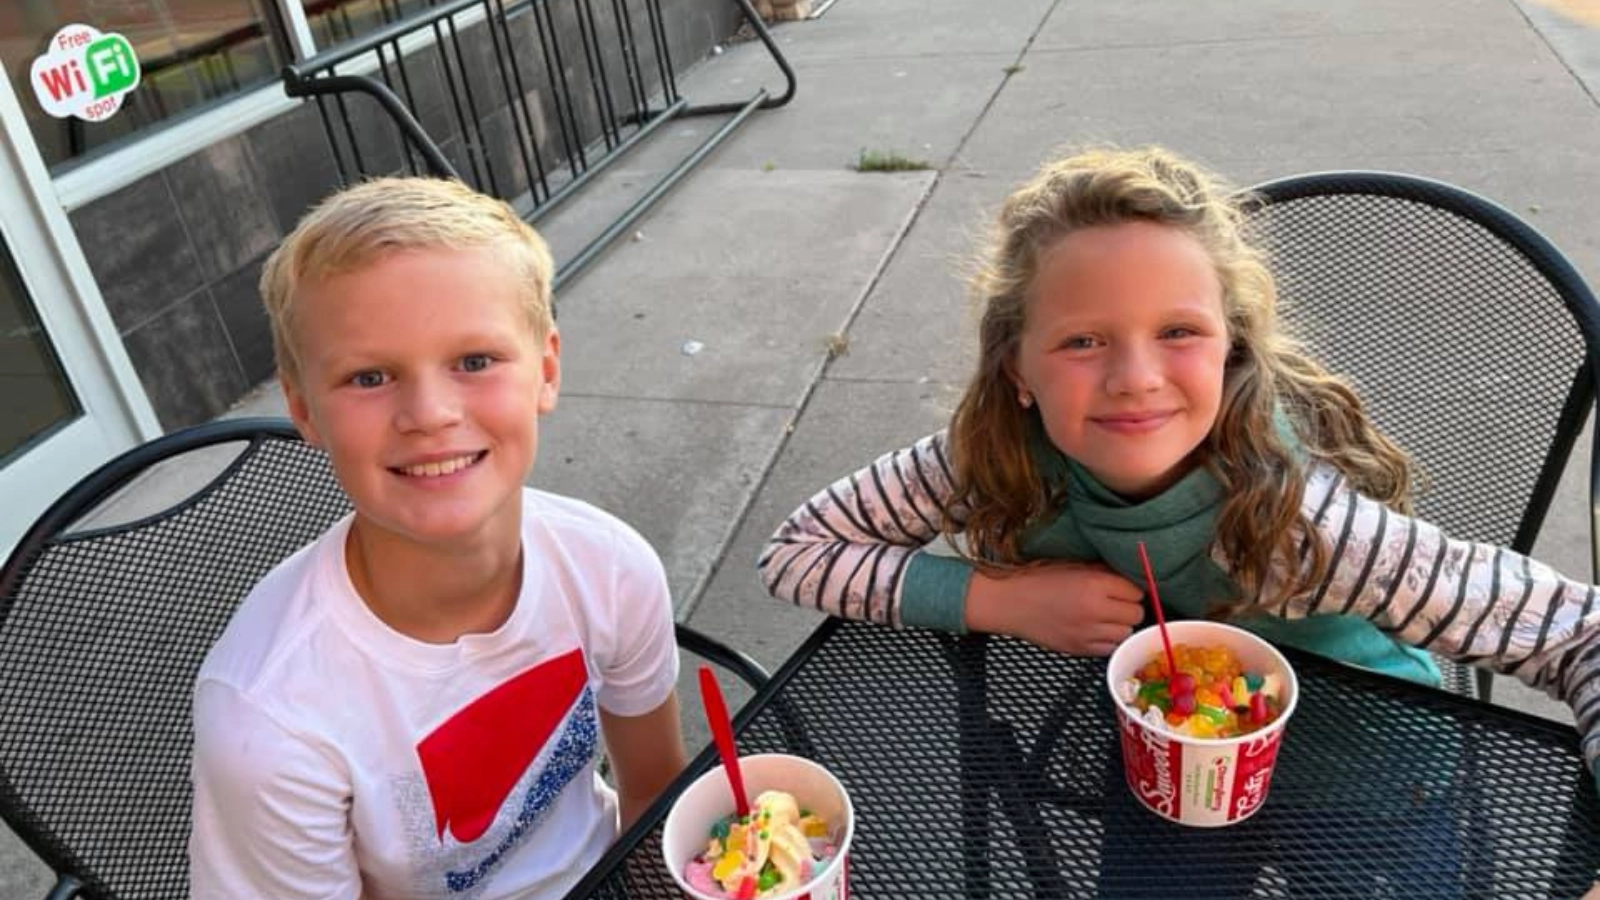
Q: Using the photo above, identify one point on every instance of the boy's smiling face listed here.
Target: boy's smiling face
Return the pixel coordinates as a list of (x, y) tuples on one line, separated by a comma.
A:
[(423, 377)]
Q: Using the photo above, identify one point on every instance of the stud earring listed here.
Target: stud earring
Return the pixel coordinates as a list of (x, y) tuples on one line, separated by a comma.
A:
[(1026, 399)]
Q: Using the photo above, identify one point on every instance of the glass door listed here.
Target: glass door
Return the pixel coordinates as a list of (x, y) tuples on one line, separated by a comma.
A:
[(69, 399), (36, 399)]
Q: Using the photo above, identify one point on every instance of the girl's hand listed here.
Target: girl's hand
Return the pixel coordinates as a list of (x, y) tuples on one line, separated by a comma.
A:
[(1076, 608)]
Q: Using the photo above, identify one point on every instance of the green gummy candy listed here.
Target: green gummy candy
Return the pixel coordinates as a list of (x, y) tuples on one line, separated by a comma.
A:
[(1253, 681), (1213, 713), (769, 878)]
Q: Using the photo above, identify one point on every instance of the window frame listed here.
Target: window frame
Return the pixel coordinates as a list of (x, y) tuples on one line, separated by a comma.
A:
[(163, 145)]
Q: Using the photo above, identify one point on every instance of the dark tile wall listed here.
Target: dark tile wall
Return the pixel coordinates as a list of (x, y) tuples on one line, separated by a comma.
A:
[(139, 250), (178, 253)]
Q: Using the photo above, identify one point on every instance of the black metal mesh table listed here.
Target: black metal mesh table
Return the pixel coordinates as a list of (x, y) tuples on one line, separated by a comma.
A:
[(986, 768)]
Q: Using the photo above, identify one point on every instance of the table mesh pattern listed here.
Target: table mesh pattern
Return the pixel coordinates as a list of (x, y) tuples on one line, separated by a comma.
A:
[(988, 768), (1463, 352), (99, 647)]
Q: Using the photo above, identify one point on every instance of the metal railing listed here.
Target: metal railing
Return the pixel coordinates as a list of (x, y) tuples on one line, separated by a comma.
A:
[(498, 101)]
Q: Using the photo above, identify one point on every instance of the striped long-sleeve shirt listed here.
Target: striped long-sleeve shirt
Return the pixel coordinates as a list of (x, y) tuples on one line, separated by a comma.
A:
[(853, 549)]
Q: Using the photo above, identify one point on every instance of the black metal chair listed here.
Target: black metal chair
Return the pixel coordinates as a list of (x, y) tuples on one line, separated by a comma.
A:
[(103, 629), (1470, 337)]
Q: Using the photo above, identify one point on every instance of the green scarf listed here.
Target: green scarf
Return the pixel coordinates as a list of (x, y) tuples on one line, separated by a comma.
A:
[(1178, 528)]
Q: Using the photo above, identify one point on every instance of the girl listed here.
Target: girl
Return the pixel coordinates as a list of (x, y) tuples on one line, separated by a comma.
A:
[(1133, 385)]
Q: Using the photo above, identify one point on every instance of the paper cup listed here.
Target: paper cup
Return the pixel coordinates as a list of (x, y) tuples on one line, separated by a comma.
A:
[(709, 799), (1205, 782)]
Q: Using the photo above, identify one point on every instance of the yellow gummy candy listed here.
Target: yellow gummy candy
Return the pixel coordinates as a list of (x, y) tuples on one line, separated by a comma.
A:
[(727, 865), (811, 827)]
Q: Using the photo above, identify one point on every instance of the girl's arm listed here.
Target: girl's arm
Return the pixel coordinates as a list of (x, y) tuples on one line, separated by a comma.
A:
[(852, 549), (1476, 603), (856, 550)]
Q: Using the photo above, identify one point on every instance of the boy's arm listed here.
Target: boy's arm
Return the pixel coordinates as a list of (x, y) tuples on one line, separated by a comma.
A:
[(1475, 603), (638, 658), (646, 754), (855, 549), (271, 814)]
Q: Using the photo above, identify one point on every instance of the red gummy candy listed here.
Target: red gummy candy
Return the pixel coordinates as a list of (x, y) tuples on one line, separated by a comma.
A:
[(1258, 708), (1226, 694), (747, 888), (1183, 704), (1180, 684)]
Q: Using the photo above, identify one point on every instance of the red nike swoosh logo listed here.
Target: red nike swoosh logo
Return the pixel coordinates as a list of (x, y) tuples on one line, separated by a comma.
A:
[(473, 760)]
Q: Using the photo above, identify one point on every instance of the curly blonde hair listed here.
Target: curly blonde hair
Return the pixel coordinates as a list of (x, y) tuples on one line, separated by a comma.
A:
[(1263, 482), (363, 224)]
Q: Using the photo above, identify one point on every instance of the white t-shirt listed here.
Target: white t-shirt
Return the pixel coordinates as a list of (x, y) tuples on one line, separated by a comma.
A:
[(338, 758)]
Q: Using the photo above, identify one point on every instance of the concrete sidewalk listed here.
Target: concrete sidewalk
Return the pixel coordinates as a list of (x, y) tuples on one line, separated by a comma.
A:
[(781, 319)]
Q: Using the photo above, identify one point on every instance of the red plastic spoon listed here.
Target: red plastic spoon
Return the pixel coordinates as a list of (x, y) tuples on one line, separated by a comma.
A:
[(1161, 618), (722, 733)]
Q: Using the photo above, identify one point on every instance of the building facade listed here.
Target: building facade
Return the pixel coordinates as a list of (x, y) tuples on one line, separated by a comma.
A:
[(133, 242)]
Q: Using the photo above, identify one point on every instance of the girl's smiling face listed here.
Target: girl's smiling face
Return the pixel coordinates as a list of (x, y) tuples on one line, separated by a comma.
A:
[(1124, 349)]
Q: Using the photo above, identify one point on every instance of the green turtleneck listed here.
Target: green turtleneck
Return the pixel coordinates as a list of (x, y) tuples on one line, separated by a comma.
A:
[(1178, 528)]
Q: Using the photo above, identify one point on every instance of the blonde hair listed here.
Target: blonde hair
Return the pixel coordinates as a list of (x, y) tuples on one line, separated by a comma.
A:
[(365, 223), (1260, 520)]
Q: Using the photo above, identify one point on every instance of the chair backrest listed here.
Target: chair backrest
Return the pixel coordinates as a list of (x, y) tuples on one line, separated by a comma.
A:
[(1469, 336), (102, 631)]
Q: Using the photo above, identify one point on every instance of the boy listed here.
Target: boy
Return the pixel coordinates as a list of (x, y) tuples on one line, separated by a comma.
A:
[(409, 707)]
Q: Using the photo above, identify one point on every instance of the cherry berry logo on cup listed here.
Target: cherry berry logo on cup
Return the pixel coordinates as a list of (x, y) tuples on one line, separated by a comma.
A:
[(1198, 747)]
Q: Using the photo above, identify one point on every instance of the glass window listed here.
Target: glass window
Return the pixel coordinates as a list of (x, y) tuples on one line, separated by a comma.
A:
[(191, 53), (336, 21)]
